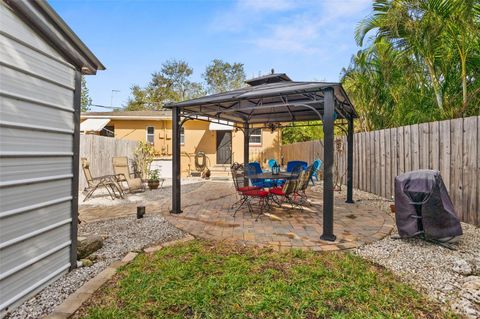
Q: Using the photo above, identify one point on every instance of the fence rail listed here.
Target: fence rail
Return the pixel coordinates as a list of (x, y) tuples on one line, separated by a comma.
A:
[(99, 150), (451, 147)]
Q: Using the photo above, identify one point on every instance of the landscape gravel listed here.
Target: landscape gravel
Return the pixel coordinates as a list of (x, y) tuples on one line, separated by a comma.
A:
[(451, 277), (120, 237)]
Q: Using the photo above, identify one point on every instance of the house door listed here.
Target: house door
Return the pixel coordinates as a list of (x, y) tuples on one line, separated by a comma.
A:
[(224, 147)]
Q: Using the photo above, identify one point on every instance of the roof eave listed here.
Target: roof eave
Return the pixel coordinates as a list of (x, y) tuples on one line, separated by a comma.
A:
[(134, 118), (58, 34)]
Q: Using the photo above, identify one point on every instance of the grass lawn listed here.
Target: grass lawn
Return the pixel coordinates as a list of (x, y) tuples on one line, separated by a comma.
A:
[(209, 280)]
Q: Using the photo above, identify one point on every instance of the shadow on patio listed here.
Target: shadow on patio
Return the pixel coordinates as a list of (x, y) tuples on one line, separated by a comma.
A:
[(207, 214), (212, 218)]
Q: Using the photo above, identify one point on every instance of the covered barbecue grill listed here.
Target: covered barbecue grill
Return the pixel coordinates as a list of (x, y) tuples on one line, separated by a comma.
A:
[(423, 206)]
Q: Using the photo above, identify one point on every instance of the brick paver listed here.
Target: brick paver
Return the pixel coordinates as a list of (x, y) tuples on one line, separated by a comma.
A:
[(207, 214)]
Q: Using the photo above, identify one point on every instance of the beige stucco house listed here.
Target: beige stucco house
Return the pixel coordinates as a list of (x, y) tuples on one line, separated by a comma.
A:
[(222, 144)]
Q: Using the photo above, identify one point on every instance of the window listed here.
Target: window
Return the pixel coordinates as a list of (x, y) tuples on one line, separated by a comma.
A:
[(182, 135), (150, 135), (256, 136)]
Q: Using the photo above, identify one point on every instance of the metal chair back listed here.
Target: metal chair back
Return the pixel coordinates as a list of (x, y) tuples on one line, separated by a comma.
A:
[(289, 187), (238, 175), (86, 171), (306, 176), (295, 172), (291, 184), (120, 167)]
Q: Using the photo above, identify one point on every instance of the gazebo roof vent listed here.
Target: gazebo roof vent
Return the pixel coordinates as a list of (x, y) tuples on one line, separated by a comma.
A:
[(269, 78)]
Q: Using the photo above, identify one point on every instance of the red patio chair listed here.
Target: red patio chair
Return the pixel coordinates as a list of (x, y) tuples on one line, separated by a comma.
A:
[(262, 197), (241, 186)]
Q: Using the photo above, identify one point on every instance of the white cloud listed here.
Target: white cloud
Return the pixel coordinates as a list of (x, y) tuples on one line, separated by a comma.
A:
[(305, 33), (345, 8), (271, 5), (295, 37), (245, 13), (287, 25)]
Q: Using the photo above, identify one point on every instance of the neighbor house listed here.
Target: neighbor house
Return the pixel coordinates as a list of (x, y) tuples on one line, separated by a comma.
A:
[(222, 144)]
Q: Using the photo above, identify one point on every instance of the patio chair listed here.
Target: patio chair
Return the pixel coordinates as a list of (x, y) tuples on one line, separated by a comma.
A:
[(316, 168), (262, 197), (292, 164), (300, 194), (286, 193), (241, 186), (271, 163), (123, 175), (93, 183), (254, 168)]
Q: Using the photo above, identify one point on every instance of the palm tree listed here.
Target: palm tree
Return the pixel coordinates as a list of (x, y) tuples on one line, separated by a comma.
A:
[(414, 27), (463, 29)]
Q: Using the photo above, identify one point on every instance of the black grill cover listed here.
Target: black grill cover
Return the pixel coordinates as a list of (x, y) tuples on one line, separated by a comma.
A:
[(422, 205)]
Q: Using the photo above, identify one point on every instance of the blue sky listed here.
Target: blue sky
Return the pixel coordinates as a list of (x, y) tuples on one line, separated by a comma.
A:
[(308, 40)]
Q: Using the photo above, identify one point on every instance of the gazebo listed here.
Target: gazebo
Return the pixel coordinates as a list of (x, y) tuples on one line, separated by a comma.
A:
[(274, 101)]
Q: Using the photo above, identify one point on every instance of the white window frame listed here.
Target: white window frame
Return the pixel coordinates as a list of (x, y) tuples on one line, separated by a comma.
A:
[(182, 135), (255, 135), (150, 134)]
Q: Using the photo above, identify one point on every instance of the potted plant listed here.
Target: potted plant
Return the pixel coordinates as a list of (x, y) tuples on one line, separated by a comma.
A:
[(153, 179), (143, 157)]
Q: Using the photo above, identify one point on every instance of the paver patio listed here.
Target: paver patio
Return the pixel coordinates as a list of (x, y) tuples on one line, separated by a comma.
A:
[(207, 214)]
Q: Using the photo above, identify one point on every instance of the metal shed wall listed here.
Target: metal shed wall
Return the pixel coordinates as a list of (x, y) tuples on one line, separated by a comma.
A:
[(37, 125)]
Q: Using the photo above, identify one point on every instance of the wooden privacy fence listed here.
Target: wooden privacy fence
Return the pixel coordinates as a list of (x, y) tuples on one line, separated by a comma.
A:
[(99, 150), (451, 147)]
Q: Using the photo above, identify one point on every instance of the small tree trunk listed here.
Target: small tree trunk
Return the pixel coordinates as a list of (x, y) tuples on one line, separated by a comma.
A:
[(436, 85), (464, 82)]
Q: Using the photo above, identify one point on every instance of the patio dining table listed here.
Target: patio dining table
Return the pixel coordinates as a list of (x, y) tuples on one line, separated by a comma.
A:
[(269, 175)]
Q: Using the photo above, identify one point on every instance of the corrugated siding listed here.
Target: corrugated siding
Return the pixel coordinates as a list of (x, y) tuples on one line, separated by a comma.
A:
[(36, 161)]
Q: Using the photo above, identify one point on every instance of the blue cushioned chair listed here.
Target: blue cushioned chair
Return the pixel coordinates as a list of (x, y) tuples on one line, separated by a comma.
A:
[(292, 164), (316, 167), (254, 168)]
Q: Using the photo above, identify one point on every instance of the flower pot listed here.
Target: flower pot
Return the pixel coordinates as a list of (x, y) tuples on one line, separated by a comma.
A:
[(153, 183)]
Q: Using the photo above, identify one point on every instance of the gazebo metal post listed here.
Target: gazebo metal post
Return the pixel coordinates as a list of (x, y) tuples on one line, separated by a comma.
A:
[(350, 161), (246, 150), (328, 114), (246, 144), (176, 188)]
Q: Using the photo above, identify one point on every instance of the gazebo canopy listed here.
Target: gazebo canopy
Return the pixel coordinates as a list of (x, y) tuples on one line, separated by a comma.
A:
[(273, 98)]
